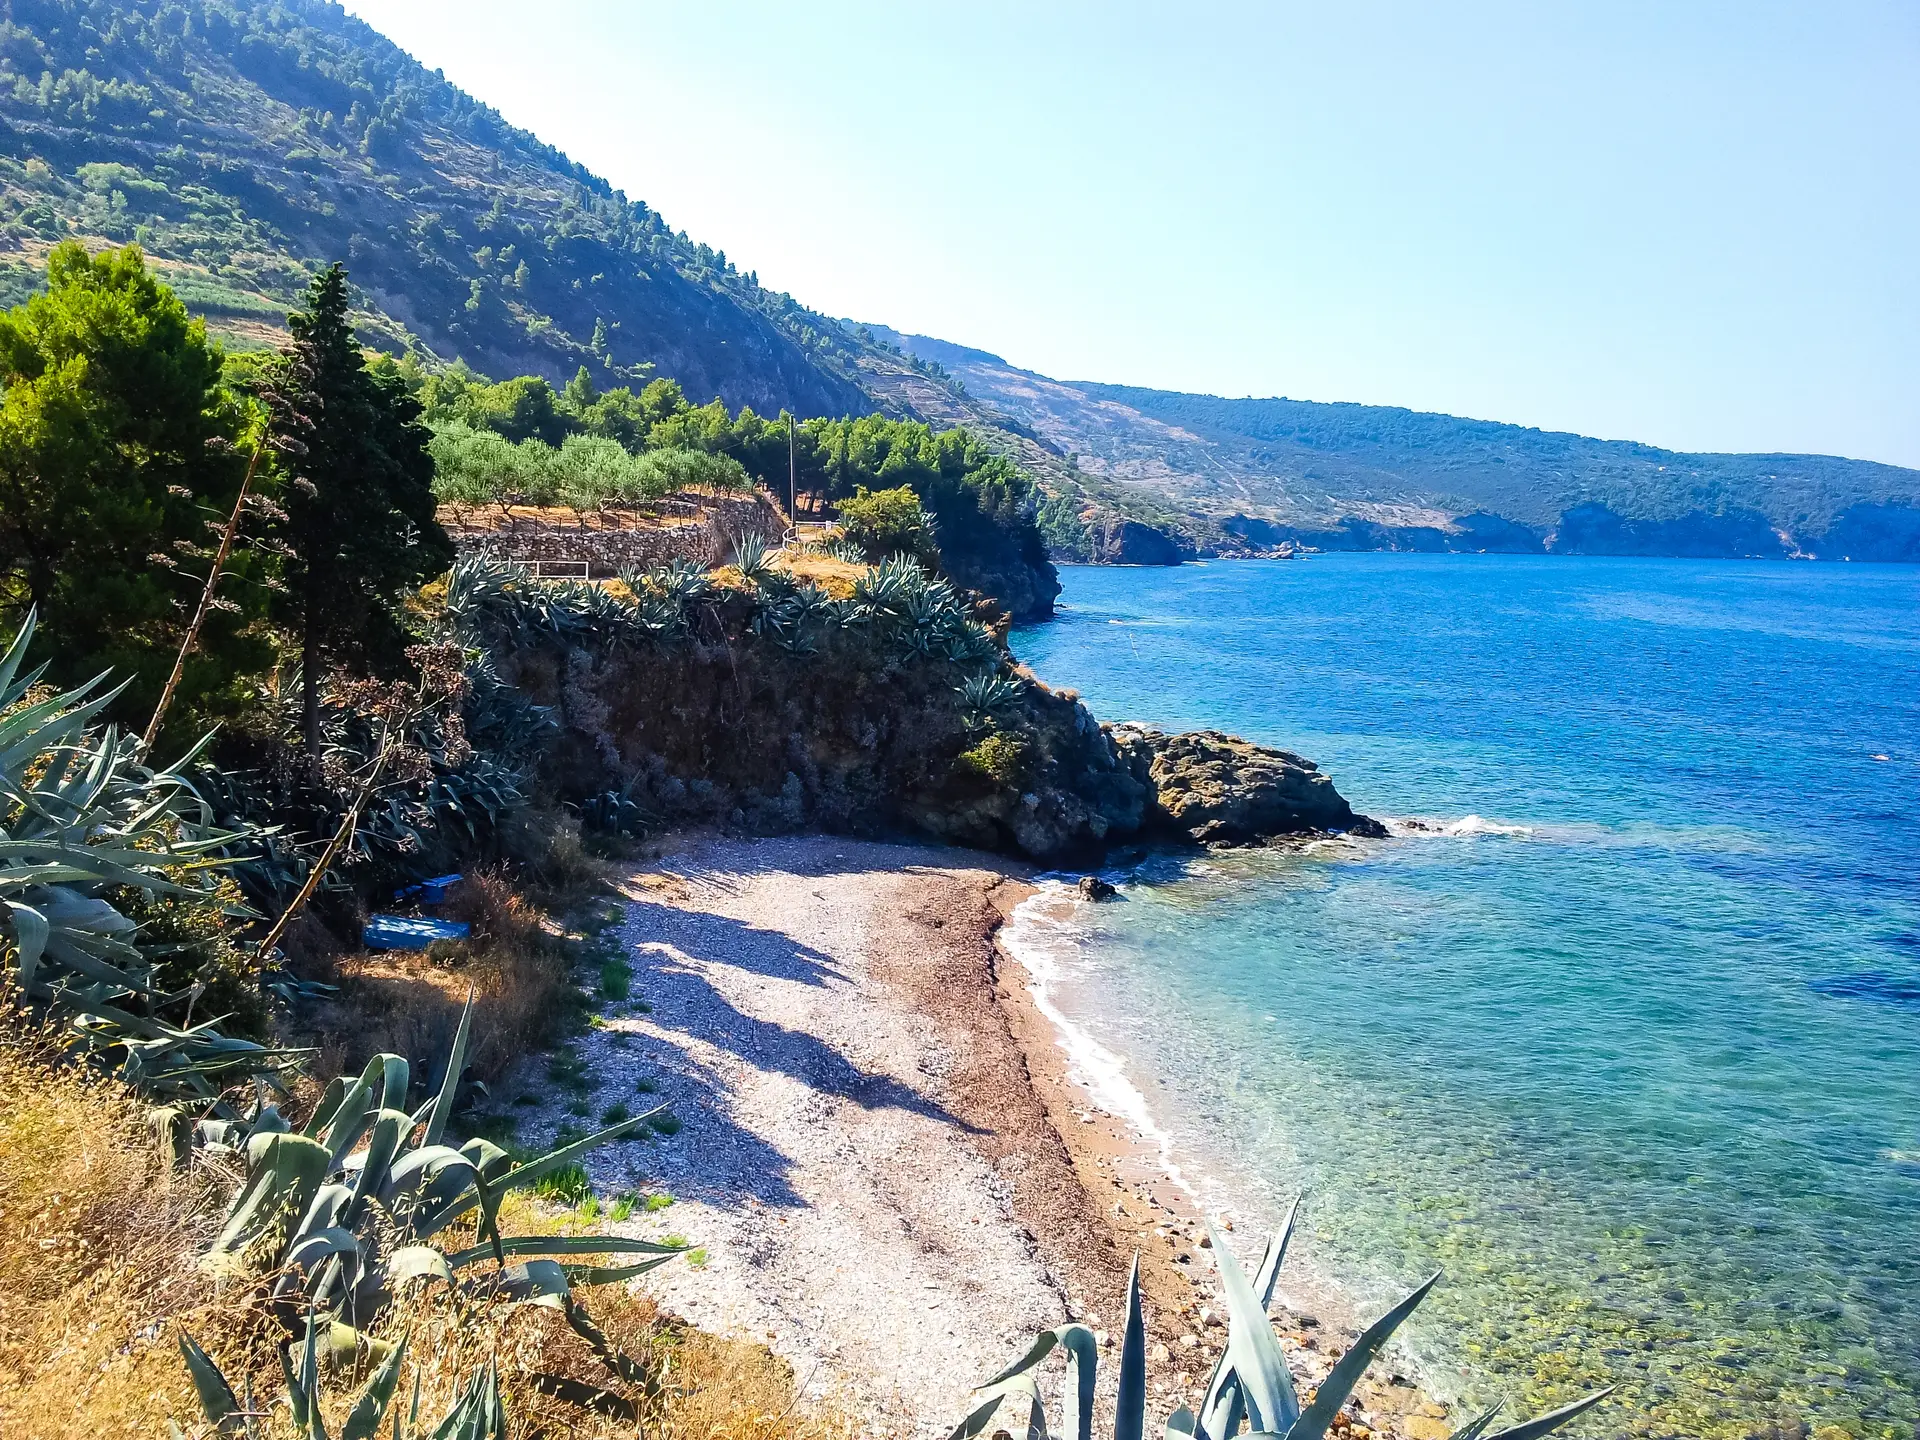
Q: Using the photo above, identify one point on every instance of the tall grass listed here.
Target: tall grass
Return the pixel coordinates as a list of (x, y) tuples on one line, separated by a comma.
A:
[(96, 1245)]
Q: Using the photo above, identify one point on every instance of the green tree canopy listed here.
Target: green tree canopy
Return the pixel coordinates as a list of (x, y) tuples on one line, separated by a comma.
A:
[(360, 528), (116, 450)]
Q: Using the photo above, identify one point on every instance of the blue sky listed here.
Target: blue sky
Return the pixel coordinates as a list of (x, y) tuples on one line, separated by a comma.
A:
[(1692, 224)]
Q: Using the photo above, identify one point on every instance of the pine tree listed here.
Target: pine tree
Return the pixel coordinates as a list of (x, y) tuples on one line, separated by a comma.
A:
[(116, 449), (360, 528)]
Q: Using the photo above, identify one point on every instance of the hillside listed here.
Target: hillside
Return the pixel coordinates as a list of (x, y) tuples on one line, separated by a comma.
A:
[(1379, 477), (245, 142)]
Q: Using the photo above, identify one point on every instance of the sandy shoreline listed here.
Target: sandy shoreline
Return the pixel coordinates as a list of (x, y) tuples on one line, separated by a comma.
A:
[(895, 1178)]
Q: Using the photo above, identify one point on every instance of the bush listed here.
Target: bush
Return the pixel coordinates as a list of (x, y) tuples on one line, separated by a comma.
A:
[(884, 523), (1002, 758)]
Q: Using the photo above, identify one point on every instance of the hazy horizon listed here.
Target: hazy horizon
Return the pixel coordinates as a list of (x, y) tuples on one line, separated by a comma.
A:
[(1687, 229)]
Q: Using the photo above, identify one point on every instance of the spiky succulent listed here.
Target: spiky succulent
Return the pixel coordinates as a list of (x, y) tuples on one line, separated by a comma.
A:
[(83, 822), (846, 551), (1250, 1385), (477, 1412), (341, 1224), (751, 557), (986, 696), (348, 1209)]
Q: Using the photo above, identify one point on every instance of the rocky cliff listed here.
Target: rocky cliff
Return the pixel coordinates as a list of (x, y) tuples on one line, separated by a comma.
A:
[(850, 722), (1114, 540)]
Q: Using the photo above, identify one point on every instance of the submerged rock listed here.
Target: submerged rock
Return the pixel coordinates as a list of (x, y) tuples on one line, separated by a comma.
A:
[(1092, 887)]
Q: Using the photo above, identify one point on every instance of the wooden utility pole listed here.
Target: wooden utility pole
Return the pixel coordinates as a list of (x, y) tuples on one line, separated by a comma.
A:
[(793, 481)]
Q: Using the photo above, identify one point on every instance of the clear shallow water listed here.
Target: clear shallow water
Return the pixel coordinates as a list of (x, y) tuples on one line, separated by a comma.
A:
[(1635, 1052)]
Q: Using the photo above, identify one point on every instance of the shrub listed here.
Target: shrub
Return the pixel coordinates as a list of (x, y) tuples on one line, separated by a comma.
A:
[(884, 523), (1002, 758)]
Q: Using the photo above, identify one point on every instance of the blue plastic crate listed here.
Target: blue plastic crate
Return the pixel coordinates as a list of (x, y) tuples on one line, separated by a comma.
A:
[(397, 932), (430, 892)]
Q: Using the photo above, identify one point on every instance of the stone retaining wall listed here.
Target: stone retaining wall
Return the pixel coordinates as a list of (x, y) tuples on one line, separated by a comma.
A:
[(702, 530)]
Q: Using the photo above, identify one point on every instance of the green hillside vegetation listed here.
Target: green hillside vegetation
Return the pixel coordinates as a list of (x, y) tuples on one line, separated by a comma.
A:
[(254, 140), (1221, 475), (246, 143), (519, 441)]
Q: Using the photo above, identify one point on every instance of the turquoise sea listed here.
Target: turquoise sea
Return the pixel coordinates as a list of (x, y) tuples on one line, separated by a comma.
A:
[(1627, 1039)]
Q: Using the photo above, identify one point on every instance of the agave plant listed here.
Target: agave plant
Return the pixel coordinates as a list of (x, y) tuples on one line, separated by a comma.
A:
[(887, 587), (340, 1225), (616, 812), (83, 822), (490, 601), (985, 696), (320, 1206), (477, 1413), (752, 559), (1250, 1384)]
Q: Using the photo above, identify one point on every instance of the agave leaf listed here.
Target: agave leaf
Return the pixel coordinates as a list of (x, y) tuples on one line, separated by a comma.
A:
[(1475, 1427), (554, 1160), (1334, 1390), (1276, 1256), (372, 1405), (1223, 1407), (1078, 1341), (611, 1274), (534, 1282), (30, 929), (1260, 1369), (217, 1399), (1180, 1423), (390, 1128), (322, 1245), (477, 1415), (414, 1262), (303, 1383), (593, 1245), (16, 653), (450, 1082), (1546, 1424), (1130, 1402), (347, 1117), (284, 1173), (395, 1077)]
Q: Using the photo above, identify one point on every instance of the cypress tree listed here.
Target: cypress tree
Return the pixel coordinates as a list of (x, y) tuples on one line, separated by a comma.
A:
[(359, 529)]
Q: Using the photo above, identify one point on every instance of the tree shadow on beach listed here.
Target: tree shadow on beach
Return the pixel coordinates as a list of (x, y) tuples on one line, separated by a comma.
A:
[(726, 1162)]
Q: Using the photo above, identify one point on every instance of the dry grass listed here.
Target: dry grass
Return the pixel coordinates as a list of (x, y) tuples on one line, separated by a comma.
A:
[(99, 1237), (407, 1003), (836, 577), (96, 1245), (98, 1279)]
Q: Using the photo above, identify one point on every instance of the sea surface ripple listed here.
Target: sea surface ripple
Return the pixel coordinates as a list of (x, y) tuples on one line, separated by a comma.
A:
[(1622, 1028)]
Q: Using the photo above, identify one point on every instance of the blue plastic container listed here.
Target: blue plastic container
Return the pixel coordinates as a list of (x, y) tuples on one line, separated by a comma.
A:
[(397, 932)]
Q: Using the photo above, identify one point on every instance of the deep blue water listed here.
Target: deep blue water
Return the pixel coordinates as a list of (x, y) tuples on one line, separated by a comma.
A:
[(1634, 1052)]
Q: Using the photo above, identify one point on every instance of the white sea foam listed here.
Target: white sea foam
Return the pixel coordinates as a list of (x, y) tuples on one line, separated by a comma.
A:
[(1640, 834), (1465, 828), (1040, 935), (1044, 937)]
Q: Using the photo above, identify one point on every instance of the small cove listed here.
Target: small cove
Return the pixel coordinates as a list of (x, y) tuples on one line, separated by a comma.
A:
[(1624, 1038)]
